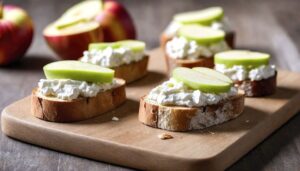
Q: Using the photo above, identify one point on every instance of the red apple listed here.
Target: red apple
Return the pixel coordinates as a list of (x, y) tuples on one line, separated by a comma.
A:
[(16, 32), (70, 41), (115, 24)]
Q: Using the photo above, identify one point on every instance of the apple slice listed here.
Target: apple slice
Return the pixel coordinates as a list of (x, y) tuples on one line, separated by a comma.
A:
[(134, 45), (77, 70), (204, 17), (101, 46), (211, 82), (248, 59), (85, 9), (201, 34), (213, 74)]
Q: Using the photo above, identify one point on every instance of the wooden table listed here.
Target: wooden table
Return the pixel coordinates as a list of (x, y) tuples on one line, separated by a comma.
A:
[(270, 26)]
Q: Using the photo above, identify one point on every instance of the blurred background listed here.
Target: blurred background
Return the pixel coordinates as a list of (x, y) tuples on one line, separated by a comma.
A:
[(271, 25)]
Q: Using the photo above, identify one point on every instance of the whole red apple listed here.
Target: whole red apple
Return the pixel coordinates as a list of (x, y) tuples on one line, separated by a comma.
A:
[(16, 32), (114, 22)]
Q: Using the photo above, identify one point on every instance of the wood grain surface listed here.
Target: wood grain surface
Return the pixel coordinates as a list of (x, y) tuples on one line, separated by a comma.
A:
[(271, 26), (102, 139)]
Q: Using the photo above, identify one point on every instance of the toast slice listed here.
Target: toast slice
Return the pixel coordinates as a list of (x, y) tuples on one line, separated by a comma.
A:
[(229, 38), (259, 88), (189, 63), (57, 110), (180, 118), (133, 71)]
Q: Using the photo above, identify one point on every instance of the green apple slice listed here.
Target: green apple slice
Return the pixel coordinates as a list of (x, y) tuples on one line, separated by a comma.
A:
[(209, 83), (134, 45), (102, 45), (204, 17), (213, 74), (201, 34), (248, 59), (86, 9), (77, 70)]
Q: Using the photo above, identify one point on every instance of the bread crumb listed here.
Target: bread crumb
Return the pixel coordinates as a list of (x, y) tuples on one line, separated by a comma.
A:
[(115, 118), (165, 136), (247, 121), (212, 133)]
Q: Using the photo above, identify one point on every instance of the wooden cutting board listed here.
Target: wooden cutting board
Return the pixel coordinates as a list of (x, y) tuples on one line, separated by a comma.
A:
[(128, 142)]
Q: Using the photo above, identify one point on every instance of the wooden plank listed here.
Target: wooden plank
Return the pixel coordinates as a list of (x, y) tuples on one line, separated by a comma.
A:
[(105, 140)]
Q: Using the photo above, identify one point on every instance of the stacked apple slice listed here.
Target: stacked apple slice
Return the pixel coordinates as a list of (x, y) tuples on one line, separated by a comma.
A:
[(201, 34), (77, 70), (134, 45), (246, 58), (203, 79)]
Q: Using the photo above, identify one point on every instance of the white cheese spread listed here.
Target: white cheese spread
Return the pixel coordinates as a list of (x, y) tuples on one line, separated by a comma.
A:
[(110, 57), (181, 48), (66, 89), (240, 73), (173, 92)]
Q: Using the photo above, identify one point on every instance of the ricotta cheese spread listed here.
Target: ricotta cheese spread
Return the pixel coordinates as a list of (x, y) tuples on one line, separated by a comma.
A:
[(173, 92), (240, 73), (181, 48), (66, 89), (110, 57)]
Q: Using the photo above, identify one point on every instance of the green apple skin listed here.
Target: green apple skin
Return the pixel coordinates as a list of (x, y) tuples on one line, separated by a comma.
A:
[(116, 22), (199, 81), (76, 70), (240, 57), (16, 32)]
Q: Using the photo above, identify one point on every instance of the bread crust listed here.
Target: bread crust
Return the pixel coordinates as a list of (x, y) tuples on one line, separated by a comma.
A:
[(259, 88), (133, 71), (56, 110), (180, 118), (189, 63)]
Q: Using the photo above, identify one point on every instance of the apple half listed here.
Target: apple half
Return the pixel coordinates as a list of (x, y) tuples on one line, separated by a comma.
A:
[(248, 59), (203, 79), (77, 70), (201, 34), (69, 38), (203, 17)]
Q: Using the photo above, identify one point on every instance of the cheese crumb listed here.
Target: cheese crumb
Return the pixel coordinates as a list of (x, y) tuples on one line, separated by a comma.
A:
[(115, 118), (165, 136)]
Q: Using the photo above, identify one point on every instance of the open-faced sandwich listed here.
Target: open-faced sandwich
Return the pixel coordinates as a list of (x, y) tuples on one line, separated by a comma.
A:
[(249, 70), (192, 99), (194, 46), (75, 91), (212, 17), (127, 58)]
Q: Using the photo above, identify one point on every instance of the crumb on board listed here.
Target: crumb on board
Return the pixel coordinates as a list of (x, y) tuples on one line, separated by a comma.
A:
[(247, 121), (165, 136), (115, 118), (211, 132)]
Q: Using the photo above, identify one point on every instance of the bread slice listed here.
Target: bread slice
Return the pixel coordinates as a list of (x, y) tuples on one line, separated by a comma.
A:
[(57, 110), (179, 118), (133, 71), (189, 63), (229, 38), (259, 88)]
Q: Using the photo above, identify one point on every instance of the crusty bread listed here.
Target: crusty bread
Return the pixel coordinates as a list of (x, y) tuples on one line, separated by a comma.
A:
[(56, 110), (229, 38), (259, 88), (179, 118), (189, 63), (133, 71)]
